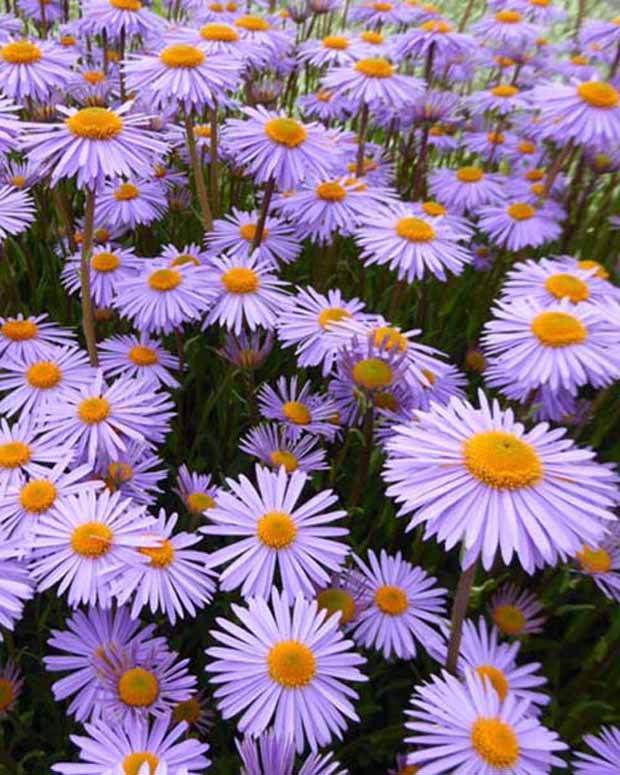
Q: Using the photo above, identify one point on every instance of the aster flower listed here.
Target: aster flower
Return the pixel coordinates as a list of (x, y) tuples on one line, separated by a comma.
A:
[(94, 143), (16, 211), (135, 473), (536, 494), (601, 562), (221, 38), (263, 34), (292, 663), (606, 747), (272, 755), (93, 86), (323, 106), (85, 541), (137, 747), (244, 291), (162, 298), (16, 585), (370, 80), (236, 233), (140, 357), (502, 99), (379, 13), (196, 491), (330, 50), (11, 683), (518, 224), (298, 409), (601, 32), (248, 350), (507, 27), (404, 606), (491, 145), (33, 383), (129, 203), (272, 146), (347, 594), (188, 254), (273, 447), (276, 536), (10, 125), (119, 18), (562, 345), (472, 729), (438, 35), (87, 635), (20, 175), (195, 713), (97, 418), (516, 612), (32, 70), (412, 244), (174, 581)]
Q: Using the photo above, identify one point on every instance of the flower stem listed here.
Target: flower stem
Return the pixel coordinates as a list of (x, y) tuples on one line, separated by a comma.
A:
[(361, 139), (214, 171), (459, 609), (466, 14), (260, 226), (199, 179), (88, 320)]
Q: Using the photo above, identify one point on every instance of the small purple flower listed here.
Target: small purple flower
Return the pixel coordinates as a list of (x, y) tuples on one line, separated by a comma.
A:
[(273, 447), (109, 265), (518, 224), (17, 211), (516, 612), (372, 80), (134, 472), (606, 747), (140, 357), (16, 585), (298, 409), (196, 491), (125, 204), (601, 562)]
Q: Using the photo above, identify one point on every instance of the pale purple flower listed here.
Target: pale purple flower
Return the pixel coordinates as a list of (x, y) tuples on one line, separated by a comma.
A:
[(297, 408), (372, 80), (126, 204), (273, 447), (135, 472), (518, 224), (467, 189), (16, 585), (605, 759), (516, 612), (17, 211), (34, 69), (141, 357)]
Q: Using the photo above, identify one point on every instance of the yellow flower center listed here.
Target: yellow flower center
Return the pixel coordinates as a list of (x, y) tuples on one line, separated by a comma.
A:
[(567, 286), (14, 454), (182, 55), (535, 175), (599, 94), (338, 42), (19, 330), (291, 664), (276, 529), (389, 338), (594, 560), (408, 769), (391, 600), (94, 410), (332, 315), (101, 235), (18, 181), (281, 457), (126, 192), (220, 32), (502, 460), (372, 374), (21, 52), (105, 262), (138, 687), (521, 211), (335, 600), (331, 191), (558, 329), (43, 375), (252, 23), (37, 496), (95, 124), (375, 68), (415, 229), (160, 556), (241, 279), (183, 259), (497, 679), (93, 77), (7, 694), (508, 17), (188, 711), (198, 502), (68, 40), (374, 38), (202, 130), (248, 232), (118, 473), (434, 209), (142, 355), (382, 6), (579, 59), (286, 131), (495, 742), (504, 90), (126, 5), (600, 272), (436, 25), (526, 147), (323, 95), (496, 138), (297, 412), (91, 540), (509, 619), (163, 280), (134, 762), (437, 131)]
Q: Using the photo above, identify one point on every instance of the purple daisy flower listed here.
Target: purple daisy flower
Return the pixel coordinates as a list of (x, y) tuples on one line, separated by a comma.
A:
[(17, 211), (11, 684), (135, 473), (372, 80), (92, 85), (322, 105), (606, 746), (84, 542), (87, 635), (337, 49), (275, 535), (601, 32), (119, 19), (437, 35), (507, 27), (140, 357), (10, 125), (518, 224), (196, 491), (261, 33), (175, 580), (223, 39), (405, 604), (491, 145), (272, 445), (380, 13), (195, 712), (502, 99), (273, 147), (271, 755), (536, 494), (248, 350), (516, 612), (288, 663), (245, 291), (347, 594), (16, 585), (20, 175), (476, 732), (129, 203), (33, 70), (601, 562), (466, 189), (188, 254), (298, 409)]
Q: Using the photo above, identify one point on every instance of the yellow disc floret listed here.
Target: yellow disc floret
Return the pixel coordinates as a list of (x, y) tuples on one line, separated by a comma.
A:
[(502, 460)]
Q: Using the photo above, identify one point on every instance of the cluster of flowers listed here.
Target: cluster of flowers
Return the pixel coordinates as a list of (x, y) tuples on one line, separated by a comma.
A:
[(81, 431)]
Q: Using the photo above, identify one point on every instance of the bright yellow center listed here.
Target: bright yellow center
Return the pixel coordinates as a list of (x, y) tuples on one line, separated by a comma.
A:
[(323, 95), (495, 742), (286, 131), (372, 374), (332, 315), (436, 25), (182, 55), (525, 146), (502, 460), (391, 600), (43, 375), (508, 17), (94, 410), (434, 209), (95, 124), (579, 59), (291, 664), (335, 600), (202, 130), (219, 32), (504, 90), (126, 192), (19, 330), (600, 272), (369, 36), (14, 454), (163, 280), (599, 94), (188, 711), (389, 338), (497, 679), (331, 191), (133, 763), (276, 529), (142, 355), (594, 560), (382, 6), (297, 412), (535, 175), (68, 40), (338, 42), (18, 181), (558, 329), (252, 23), (106, 262), (198, 502), (496, 138), (183, 259), (126, 5), (248, 232), (415, 229), (91, 540), (521, 211), (37, 496), (437, 131), (21, 52), (281, 457), (509, 619), (138, 687), (7, 694), (160, 556), (375, 68), (93, 77), (567, 286), (241, 279)]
